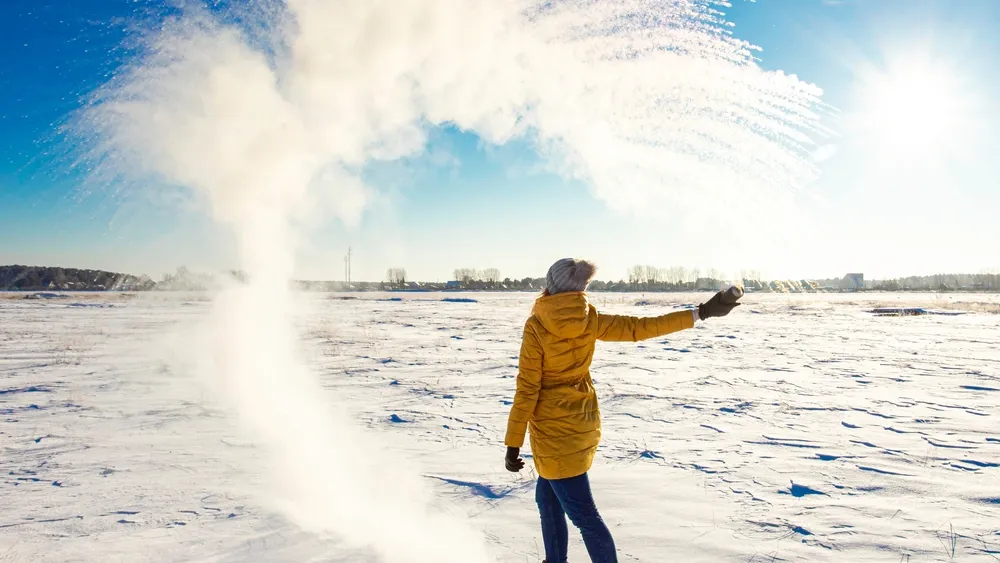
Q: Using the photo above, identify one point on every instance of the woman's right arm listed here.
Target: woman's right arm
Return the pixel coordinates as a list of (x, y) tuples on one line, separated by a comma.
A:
[(529, 383)]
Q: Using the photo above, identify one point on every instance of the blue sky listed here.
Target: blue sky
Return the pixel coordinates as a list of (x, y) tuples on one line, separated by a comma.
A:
[(906, 191)]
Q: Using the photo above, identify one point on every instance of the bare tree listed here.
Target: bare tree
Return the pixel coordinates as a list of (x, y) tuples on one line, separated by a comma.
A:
[(652, 275), (677, 275), (667, 275), (396, 277), (637, 276), (470, 275), (682, 274), (491, 275)]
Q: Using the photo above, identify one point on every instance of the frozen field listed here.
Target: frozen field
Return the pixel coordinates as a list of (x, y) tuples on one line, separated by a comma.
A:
[(801, 428)]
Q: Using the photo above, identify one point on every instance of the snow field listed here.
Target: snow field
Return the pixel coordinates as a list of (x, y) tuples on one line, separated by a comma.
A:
[(800, 428)]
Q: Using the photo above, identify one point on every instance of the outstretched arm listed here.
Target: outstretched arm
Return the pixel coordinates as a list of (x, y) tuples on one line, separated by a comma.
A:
[(617, 328), (529, 382)]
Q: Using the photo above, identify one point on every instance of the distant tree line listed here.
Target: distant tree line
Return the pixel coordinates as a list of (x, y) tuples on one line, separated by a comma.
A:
[(638, 279), (986, 281), (482, 279), (677, 278), (44, 278), (40, 278)]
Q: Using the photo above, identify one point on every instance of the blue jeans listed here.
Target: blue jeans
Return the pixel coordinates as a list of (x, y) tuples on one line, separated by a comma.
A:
[(572, 497)]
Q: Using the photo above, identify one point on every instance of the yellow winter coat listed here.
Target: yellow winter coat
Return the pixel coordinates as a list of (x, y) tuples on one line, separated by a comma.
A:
[(555, 395)]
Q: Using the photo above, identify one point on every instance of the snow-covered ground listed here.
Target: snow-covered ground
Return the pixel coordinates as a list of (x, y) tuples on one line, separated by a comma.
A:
[(801, 428)]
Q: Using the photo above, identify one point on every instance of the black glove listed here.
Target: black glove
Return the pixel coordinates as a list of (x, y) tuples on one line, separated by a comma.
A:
[(513, 460), (716, 307)]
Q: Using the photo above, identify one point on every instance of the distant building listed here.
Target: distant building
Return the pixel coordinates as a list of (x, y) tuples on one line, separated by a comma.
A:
[(453, 285), (853, 282)]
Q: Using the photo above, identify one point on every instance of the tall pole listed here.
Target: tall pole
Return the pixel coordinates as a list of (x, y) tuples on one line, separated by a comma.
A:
[(348, 266)]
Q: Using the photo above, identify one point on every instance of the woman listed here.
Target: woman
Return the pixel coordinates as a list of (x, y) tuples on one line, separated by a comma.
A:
[(555, 398)]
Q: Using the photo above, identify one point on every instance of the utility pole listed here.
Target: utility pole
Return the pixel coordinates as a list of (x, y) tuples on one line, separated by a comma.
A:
[(347, 267)]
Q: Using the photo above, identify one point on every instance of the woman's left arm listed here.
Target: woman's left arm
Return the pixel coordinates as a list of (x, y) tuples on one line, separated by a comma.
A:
[(618, 328)]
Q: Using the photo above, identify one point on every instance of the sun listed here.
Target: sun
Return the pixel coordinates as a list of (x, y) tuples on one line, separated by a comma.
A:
[(915, 108)]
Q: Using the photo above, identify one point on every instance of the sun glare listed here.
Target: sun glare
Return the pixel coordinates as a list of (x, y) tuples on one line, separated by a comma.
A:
[(917, 109)]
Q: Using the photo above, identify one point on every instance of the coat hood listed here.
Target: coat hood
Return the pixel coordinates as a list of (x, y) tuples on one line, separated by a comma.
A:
[(565, 315)]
